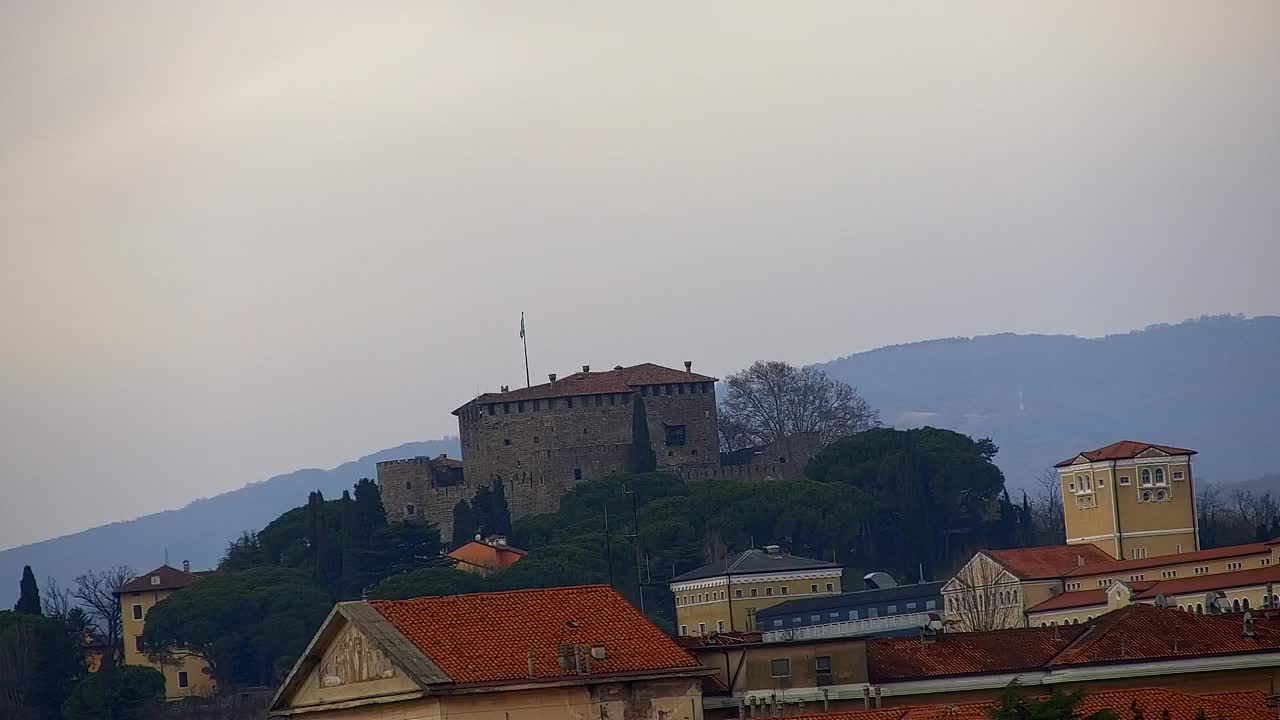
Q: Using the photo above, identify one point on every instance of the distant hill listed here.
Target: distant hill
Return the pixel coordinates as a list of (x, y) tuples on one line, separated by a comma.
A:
[(198, 532), (1208, 384), (1211, 384)]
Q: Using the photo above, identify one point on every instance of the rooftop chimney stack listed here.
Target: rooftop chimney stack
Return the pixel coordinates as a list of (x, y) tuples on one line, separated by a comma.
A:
[(186, 566), (506, 388), (552, 378), (586, 368), (1080, 560), (688, 366)]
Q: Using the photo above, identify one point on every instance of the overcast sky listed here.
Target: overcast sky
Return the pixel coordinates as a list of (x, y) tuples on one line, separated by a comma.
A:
[(242, 238)]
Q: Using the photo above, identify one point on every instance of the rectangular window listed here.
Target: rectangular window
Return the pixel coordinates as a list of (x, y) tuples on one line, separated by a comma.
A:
[(719, 626), (410, 510), (831, 587), (911, 606), (1233, 566), (784, 589), (137, 643), (577, 473), (1071, 487), (1177, 474), (813, 588), (680, 388), (931, 605), (1166, 574), (834, 616), (537, 405), (1102, 482), (684, 630), (137, 612), (568, 403), (644, 391), (768, 592), (892, 609), (599, 400), (1124, 479), (754, 592), (797, 620), (822, 666), (490, 409), (737, 593), (873, 612), (506, 441), (676, 435), (780, 668), (815, 618), (182, 679), (777, 623), (702, 628), (1265, 562), (853, 614), (520, 406), (506, 408)]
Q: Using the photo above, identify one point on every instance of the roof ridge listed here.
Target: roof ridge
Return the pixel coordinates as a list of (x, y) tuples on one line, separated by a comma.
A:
[(558, 588)]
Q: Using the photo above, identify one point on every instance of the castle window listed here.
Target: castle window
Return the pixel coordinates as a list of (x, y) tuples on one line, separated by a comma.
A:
[(408, 484), (520, 406), (599, 400), (536, 439), (537, 405), (676, 435), (680, 388), (506, 408), (490, 409), (644, 390), (506, 441), (568, 402), (626, 398), (577, 473), (410, 509), (613, 399), (667, 390)]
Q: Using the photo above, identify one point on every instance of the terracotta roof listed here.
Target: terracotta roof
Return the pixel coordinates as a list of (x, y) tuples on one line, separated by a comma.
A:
[(170, 579), (1153, 702), (1143, 632), (1121, 566), (906, 658), (491, 556), (1206, 583), (1124, 450), (596, 383), (755, 561), (486, 637), (1050, 561)]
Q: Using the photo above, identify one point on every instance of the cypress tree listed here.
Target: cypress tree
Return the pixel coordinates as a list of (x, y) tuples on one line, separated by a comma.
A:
[(464, 525), (642, 458), (29, 597)]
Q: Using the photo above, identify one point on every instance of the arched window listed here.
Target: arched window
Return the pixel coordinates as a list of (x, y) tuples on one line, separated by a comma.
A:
[(1199, 609), (1146, 476), (1044, 624), (1159, 476), (1235, 605), (1075, 621), (1245, 603), (1089, 619)]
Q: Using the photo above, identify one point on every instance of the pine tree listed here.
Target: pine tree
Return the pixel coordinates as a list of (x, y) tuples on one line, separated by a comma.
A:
[(29, 597)]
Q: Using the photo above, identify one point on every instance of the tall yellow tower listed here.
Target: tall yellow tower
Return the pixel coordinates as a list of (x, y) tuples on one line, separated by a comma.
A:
[(1131, 499)]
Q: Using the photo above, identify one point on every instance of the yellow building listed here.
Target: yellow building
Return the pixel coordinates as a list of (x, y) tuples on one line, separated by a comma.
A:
[(725, 595), (183, 677), (547, 654), (1134, 500)]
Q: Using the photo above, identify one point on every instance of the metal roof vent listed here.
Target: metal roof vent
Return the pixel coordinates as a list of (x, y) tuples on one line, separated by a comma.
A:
[(773, 549)]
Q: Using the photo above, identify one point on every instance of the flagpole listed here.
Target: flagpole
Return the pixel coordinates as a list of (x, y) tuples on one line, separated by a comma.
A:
[(525, 342)]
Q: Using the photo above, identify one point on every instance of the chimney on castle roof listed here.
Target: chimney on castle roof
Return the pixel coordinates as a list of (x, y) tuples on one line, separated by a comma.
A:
[(617, 367), (586, 368), (186, 566), (506, 388), (688, 366), (552, 378)]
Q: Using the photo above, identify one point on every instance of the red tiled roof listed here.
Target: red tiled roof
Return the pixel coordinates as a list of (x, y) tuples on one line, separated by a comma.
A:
[(486, 637), (597, 383), (1143, 632), (907, 658), (1122, 566), (1085, 598), (491, 556), (1153, 702), (1050, 561), (1124, 450), (1220, 581), (170, 579)]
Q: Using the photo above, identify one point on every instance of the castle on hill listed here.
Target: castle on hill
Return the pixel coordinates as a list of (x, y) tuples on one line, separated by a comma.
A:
[(539, 441)]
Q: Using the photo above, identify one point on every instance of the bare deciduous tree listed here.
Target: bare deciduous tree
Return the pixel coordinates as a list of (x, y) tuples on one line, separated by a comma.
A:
[(772, 400), (96, 591), (56, 599), (1046, 509), (982, 596)]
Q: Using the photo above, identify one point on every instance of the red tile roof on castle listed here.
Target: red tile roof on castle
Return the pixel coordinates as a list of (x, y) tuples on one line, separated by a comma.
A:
[(597, 383), (486, 637), (1205, 583), (1153, 702), (169, 579), (1124, 450), (1136, 633), (1050, 561), (1123, 566)]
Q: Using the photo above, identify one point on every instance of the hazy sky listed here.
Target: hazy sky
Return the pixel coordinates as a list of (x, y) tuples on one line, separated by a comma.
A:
[(241, 238)]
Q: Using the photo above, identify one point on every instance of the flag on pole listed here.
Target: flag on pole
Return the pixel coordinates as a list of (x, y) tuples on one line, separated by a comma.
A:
[(521, 326)]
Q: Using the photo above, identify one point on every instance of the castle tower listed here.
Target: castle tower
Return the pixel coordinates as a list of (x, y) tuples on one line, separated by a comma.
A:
[(1131, 499)]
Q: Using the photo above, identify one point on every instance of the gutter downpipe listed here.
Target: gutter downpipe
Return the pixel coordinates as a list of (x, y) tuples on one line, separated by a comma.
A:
[(1115, 504)]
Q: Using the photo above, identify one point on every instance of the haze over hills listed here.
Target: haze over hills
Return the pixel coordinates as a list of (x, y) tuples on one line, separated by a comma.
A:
[(1207, 384)]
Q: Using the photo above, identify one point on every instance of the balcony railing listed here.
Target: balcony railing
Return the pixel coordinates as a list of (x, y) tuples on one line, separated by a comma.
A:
[(849, 628)]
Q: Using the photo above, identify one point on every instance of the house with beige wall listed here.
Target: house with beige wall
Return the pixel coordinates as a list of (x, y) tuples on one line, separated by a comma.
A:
[(184, 676), (521, 655), (725, 595), (1134, 500)]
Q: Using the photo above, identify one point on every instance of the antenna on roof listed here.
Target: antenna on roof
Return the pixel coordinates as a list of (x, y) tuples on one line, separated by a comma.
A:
[(525, 343)]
